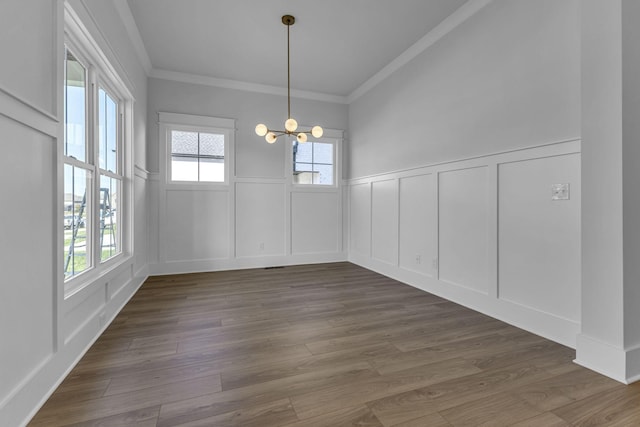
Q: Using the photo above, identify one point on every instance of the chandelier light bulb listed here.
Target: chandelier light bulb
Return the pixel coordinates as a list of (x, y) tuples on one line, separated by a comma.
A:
[(291, 125), (302, 137), (261, 130), (317, 131), (271, 137)]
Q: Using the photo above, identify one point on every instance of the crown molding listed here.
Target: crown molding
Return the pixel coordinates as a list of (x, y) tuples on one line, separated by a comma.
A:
[(246, 86), (465, 12), (133, 32)]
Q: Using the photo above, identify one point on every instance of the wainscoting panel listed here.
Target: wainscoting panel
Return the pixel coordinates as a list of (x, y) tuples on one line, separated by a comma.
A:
[(463, 228), (539, 238), (418, 244), (360, 219), (260, 219), (27, 219), (384, 221), (482, 232), (196, 225), (315, 222)]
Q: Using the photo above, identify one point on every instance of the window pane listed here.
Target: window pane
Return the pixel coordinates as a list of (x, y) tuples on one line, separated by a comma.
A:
[(323, 174), (303, 152), (74, 108), (109, 217), (211, 144), (184, 168), (184, 142), (211, 170), (76, 250), (108, 131), (322, 153)]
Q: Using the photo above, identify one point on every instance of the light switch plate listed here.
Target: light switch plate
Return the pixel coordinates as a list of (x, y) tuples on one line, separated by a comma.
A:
[(560, 192)]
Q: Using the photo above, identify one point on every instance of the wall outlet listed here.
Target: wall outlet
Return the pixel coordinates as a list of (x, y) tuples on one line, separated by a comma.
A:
[(560, 191), (418, 259), (262, 246), (434, 263)]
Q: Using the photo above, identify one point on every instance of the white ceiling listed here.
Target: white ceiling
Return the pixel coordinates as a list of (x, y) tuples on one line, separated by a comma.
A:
[(336, 45)]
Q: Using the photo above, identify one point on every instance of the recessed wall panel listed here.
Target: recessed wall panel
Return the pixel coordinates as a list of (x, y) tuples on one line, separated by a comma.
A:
[(27, 252), (384, 221), (360, 219), (463, 228), (417, 223), (28, 60), (314, 222), (260, 219), (539, 237), (196, 225)]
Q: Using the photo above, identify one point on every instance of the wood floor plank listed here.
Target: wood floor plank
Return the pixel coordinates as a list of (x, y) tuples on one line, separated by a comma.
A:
[(359, 416), (323, 345), (494, 411), (355, 393)]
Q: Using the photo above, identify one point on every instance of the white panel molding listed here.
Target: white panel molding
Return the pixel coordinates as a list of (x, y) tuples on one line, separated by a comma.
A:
[(549, 325), (245, 86), (465, 12), (21, 111), (141, 172), (567, 146)]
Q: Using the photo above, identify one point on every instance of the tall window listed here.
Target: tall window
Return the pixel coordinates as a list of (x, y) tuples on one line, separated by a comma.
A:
[(93, 174), (313, 163), (78, 171)]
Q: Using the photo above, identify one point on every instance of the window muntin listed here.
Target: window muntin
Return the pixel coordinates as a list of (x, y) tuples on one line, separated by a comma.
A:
[(197, 156), (313, 163)]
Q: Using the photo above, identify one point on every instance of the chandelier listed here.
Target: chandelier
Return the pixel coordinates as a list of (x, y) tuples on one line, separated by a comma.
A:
[(290, 125)]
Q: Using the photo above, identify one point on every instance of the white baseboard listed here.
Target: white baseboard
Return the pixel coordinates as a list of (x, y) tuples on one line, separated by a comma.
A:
[(546, 325), (179, 267), (621, 364)]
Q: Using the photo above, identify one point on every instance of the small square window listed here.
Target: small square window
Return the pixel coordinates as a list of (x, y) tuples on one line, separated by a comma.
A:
[(197, 156), (313, 163)]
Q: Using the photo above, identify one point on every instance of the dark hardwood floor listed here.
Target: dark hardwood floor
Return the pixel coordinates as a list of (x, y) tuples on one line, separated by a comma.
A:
[(323, 345)]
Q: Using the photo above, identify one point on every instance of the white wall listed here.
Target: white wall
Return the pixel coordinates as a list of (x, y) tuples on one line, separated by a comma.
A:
[(260, 218), (508, 77), (452, 159), (42, 332)]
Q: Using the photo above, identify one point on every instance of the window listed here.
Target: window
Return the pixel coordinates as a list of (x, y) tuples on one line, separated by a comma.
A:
[(197, 156), (313, 162), (93, 177), (198, 148)]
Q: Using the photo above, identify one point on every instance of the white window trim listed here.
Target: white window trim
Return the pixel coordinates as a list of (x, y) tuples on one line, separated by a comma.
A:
[(332, 136), (100, 72), (193, 123)]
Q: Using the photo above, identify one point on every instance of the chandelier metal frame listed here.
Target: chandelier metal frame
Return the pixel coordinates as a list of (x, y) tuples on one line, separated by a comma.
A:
[(290, 125)]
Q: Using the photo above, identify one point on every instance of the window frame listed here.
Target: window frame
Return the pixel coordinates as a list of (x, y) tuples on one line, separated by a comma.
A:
[(202, 124), (331, 136), (100, 74)]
